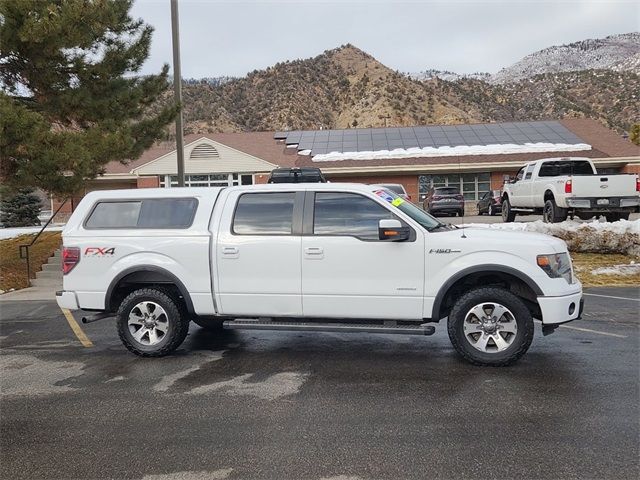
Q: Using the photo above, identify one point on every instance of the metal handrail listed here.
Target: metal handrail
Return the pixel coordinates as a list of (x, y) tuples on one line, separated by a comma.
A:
[(24, 249)]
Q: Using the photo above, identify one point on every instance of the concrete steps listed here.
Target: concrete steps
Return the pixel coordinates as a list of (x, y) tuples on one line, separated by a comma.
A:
[(51, 273)]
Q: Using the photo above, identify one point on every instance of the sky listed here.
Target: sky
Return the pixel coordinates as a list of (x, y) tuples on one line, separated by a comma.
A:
[(220, 38)]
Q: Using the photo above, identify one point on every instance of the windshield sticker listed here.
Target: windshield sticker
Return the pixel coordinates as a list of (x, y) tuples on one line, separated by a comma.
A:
[(387, 197)]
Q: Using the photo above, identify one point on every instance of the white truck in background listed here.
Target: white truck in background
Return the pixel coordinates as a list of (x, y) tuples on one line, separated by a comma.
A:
[(562, 187), (308, 257)]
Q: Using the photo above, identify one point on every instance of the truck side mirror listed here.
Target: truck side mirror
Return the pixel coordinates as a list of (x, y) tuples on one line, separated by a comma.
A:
[(392, 230)]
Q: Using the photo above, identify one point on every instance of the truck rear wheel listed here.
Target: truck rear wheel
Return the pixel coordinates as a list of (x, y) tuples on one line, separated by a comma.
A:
[(151, 322), (508, 215), (490, 326), (552, 213)]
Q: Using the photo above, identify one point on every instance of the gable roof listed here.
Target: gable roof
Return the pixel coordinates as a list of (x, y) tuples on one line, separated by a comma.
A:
[(205, 155)]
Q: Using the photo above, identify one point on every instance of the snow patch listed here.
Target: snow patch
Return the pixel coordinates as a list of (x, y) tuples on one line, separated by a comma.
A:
[(447, 151), (622, 236), (628, 269), (16, 232)]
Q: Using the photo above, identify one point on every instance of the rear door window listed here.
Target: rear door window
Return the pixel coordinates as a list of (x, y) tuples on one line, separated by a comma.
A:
[(264, 214)]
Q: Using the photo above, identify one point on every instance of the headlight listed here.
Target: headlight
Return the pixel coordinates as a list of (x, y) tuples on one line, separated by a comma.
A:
[(556, 265)]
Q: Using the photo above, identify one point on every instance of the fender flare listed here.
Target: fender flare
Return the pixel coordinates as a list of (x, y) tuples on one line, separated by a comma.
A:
[(437, 304), (148, 268)]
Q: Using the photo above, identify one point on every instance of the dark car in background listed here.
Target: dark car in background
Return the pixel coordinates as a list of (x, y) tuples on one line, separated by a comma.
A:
[(444, 200), (490, 203), (396, 188)]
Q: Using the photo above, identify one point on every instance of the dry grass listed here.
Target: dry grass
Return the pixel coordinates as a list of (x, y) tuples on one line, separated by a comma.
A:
[(584, 263), (13, 273)]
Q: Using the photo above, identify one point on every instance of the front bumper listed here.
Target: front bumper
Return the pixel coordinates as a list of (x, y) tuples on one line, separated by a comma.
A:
[(556, 310), (67, 300)]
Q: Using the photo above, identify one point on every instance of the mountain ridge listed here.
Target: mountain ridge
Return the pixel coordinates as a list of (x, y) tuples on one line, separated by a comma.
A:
[(346, 87)]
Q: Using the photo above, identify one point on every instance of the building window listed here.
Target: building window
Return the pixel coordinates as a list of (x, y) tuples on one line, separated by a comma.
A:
[(208, 180), (472, 185)]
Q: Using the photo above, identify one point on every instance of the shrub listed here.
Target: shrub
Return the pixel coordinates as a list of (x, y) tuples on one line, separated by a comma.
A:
[(20, 209)]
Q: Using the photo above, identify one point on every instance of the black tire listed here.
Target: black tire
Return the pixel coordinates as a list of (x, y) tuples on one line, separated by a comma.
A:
[(624, 215), (460, 213), (209, 324), (553, 213), (522, 338), (176, 319), (612, 217), (508, 215)]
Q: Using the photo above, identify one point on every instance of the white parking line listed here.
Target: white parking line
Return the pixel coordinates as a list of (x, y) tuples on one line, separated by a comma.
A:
[(594, 331), (610, 296)]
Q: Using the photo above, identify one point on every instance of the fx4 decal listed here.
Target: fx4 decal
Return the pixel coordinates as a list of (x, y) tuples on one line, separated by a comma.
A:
[(99, 251)]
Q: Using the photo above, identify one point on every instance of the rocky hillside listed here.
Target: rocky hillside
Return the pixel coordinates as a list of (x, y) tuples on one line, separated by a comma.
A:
[(608, 96), (618, 52), (346, 87), (341, 88)]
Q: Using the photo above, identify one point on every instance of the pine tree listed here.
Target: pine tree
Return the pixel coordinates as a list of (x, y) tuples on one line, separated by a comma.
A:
[(20, 209), (71, 100)]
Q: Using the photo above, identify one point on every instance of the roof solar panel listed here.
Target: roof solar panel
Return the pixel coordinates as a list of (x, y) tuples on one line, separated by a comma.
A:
[(353, 139)]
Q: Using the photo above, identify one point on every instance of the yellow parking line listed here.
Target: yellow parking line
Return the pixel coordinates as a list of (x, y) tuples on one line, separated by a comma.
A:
[(84, 340)]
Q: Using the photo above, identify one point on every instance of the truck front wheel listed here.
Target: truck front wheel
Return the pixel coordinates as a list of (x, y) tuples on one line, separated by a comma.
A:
[(508, 215), (151, 322), (490, 327)]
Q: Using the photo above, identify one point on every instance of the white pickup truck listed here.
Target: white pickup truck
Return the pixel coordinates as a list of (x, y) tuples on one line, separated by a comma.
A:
[(312, 257), (559, 187)]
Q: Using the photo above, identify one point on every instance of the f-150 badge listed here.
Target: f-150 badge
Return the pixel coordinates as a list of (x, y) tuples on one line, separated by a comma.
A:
[(443, 250)]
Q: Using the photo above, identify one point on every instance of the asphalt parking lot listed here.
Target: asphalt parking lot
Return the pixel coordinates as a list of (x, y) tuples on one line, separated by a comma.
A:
[(270, 405)]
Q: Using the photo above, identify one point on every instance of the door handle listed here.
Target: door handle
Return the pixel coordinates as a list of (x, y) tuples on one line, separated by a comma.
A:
[(230, 252), (314, 252)]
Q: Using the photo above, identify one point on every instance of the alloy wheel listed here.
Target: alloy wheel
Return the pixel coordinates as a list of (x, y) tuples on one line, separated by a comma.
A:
[(490, 327), (148, 323)]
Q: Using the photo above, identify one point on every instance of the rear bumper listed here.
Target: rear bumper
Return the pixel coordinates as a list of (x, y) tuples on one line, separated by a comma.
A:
[(614, 204), (67, 300), (446, 207), (556, 310)]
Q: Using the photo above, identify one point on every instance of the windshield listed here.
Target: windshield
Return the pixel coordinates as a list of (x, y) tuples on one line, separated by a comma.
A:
[(423, 218)]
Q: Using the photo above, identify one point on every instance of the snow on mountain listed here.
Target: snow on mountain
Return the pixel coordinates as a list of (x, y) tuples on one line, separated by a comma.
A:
[(447, 75), (616, 52)]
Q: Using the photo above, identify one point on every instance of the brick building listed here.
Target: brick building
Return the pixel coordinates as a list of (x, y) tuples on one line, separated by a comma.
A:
[(474, 157)]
